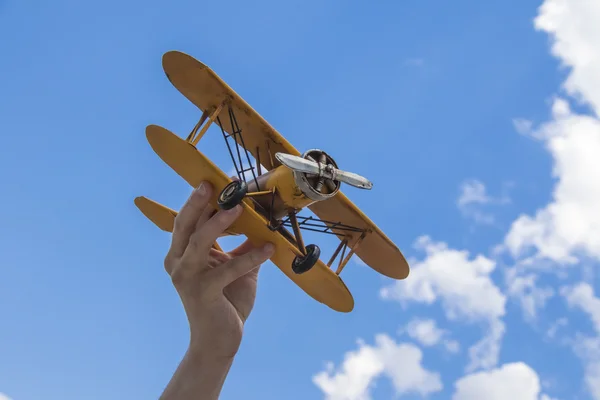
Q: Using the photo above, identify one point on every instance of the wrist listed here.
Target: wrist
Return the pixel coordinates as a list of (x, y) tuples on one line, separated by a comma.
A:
[(214, 345), (201, 372), (205, 354)]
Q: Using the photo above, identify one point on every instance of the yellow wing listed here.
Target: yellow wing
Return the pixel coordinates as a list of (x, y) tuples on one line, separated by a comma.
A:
[(199, 84), (376, 249)]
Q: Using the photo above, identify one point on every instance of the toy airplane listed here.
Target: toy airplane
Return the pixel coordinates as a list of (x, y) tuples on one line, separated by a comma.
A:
[(273, 191)]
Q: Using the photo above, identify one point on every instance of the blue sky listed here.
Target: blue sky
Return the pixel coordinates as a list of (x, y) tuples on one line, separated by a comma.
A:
[(432, 101)]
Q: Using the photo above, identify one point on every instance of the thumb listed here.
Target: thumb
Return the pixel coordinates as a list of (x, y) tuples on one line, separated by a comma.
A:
[(243, 264)]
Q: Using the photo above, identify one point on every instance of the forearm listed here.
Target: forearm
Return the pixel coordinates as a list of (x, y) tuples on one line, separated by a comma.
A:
[(198, 377)]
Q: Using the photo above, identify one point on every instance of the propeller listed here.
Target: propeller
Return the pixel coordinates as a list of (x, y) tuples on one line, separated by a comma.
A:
[(325, 174)]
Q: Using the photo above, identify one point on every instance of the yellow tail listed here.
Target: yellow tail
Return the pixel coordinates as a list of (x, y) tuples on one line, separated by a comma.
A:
[(162, 216)]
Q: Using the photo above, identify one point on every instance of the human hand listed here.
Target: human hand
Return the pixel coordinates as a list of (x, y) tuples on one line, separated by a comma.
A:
[(217, 289)]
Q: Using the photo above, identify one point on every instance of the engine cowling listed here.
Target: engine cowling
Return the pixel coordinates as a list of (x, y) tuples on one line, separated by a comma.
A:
[(313, 186)]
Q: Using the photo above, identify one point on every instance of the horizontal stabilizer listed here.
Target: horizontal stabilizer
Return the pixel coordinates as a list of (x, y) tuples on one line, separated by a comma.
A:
[(162, 216)]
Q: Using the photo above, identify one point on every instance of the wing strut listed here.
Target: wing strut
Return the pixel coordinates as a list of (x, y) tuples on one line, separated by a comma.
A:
[(194, 137), (329, 227), (321, 225), (237, 133), (342, 247), (353, 248)]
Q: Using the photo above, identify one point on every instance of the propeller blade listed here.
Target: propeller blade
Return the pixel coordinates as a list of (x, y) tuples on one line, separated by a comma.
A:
[(298, 163), (329, 172), (353, 179)]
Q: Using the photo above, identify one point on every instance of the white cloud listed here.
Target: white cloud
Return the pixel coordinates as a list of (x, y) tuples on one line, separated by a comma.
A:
[(452, 346), (573, 27), (587, 347), (570, 224), (582, 296), (427, 333), (484, 354), (473, 192), (515, 381), (523, 287), (473, 196), (4, 397), (354, 379), (401, 363), (568, 228), (465, 290), (462, 284), (523, 126)]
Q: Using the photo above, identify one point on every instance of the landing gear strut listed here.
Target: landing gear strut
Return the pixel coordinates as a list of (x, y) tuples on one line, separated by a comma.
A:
[(310, 254)]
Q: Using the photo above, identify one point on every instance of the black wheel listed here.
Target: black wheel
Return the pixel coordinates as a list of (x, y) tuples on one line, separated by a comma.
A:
[(307, 261), (232, 195)]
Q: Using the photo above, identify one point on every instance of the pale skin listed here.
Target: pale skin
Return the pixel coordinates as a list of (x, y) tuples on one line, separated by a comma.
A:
[(217, 290)]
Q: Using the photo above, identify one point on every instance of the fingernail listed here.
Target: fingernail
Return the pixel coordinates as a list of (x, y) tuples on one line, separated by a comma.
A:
[(201, 189), (268, 248)]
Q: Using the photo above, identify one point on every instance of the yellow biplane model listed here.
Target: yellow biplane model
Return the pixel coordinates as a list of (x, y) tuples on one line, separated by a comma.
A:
[(272, 191)]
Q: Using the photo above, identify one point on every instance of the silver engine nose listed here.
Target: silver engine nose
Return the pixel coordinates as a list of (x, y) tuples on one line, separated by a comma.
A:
[(313, 186)]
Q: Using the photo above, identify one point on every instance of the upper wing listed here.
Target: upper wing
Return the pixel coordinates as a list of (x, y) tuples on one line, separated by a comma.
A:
[(206, 90), (376, 249)]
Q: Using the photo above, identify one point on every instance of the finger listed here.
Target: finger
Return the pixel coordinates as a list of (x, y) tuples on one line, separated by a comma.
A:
[(185, 221), (207, 213), (243, 248), (240, 266), (203, 238), (219, 256)]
